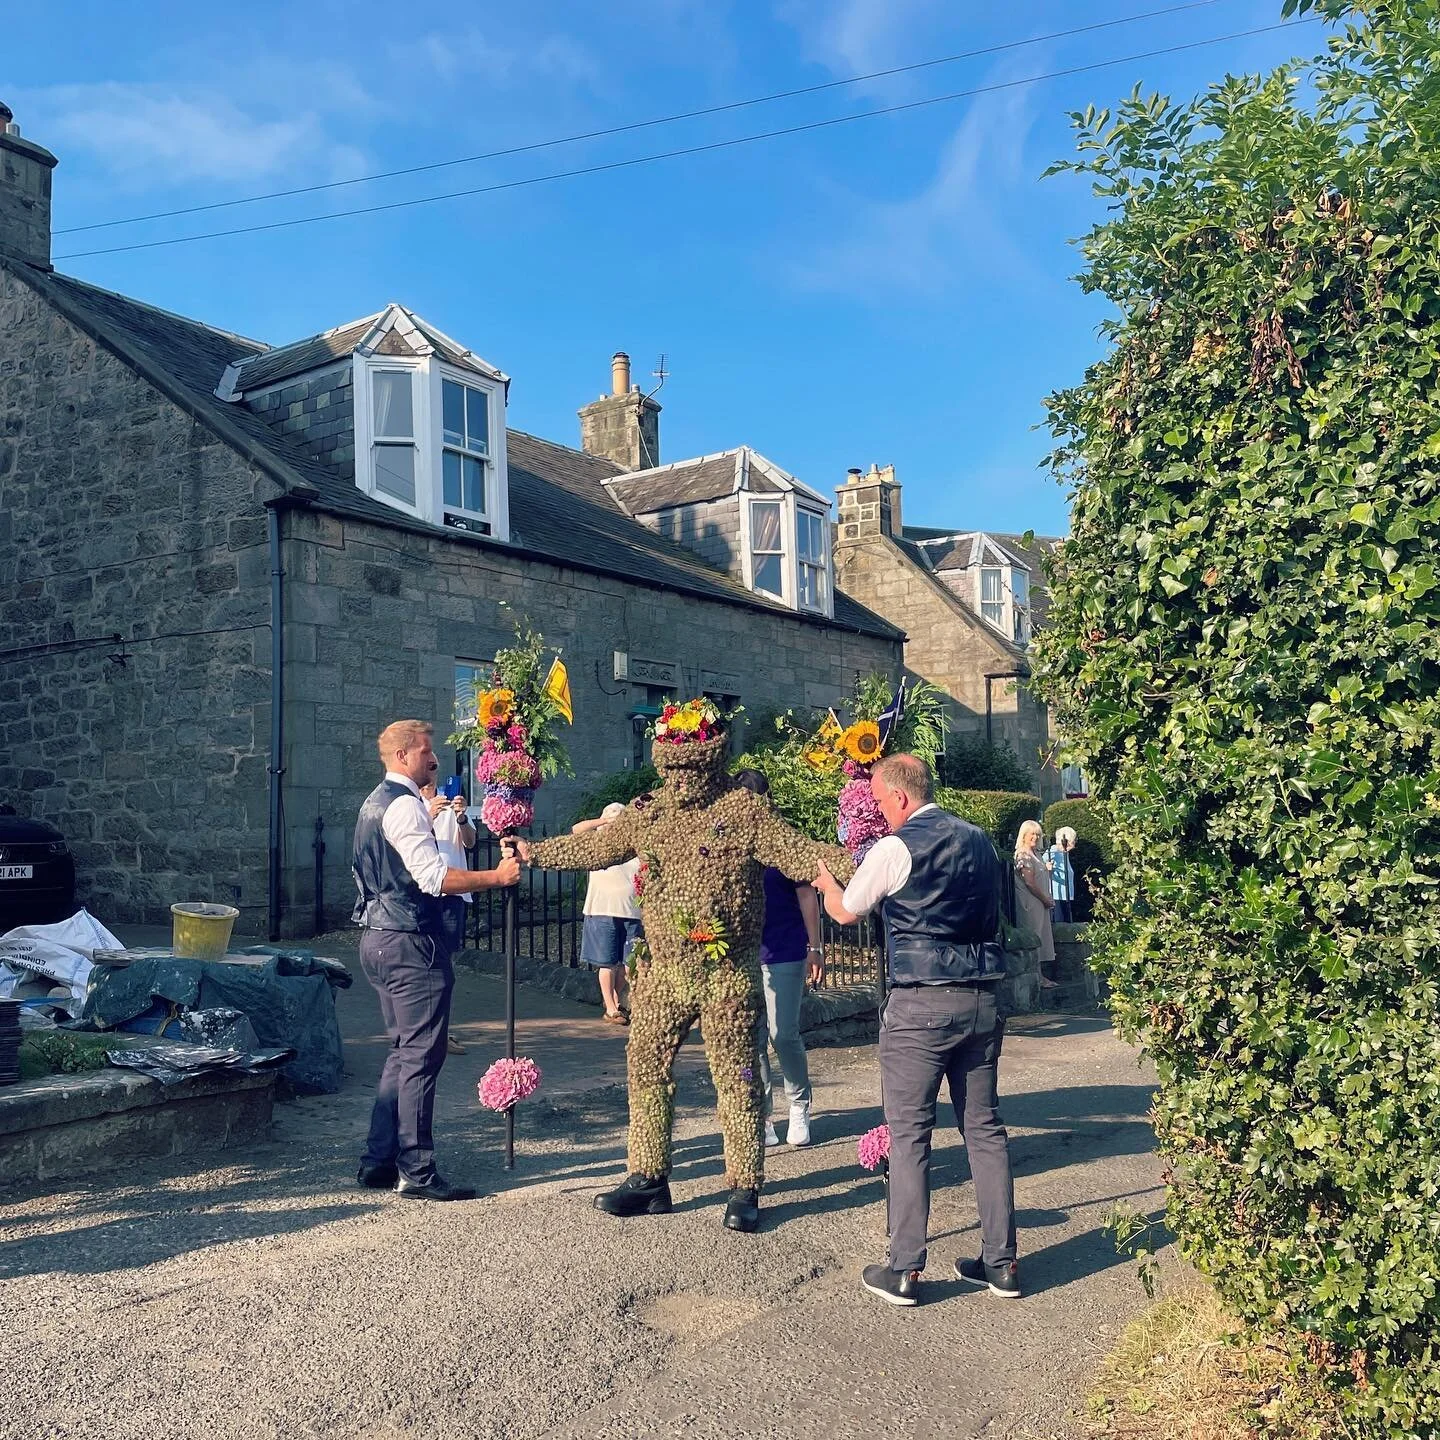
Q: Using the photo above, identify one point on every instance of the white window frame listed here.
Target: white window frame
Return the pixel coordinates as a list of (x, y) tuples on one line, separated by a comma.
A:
[(785, 552), (998, 621), (822, 521), (427, 399), (1020, 609), (789, 550)]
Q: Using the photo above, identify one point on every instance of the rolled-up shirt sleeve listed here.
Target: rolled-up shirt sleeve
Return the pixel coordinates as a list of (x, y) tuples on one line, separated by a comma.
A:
[(407, 827), (883, 872)]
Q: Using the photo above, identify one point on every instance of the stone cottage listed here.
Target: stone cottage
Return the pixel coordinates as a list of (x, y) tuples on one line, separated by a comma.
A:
[(969, 603), (224, 566)]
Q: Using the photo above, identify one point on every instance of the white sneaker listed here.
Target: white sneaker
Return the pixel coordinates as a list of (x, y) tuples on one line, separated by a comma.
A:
[(799, 1131), (772, 1138)]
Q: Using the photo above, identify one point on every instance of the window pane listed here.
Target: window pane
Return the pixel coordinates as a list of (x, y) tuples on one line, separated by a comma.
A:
[(394, 415), (477, 421), (765, 530), (474, 471), (453, 404), (395, 471), (812, 587), (452, 478), (1020, 584), (810, 531), (990, 586), (468, 679), (767, 574)]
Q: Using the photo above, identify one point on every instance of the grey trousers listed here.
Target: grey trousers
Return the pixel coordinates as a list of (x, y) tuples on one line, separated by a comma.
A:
[(413, 978), (784, 990), (953, 1033)]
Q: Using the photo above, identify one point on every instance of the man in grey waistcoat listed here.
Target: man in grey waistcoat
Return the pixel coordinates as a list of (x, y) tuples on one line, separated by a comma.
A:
[(936, 879), (401, 877)]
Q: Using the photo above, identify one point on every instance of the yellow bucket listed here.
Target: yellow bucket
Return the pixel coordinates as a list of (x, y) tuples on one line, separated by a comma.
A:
[(201, 931)]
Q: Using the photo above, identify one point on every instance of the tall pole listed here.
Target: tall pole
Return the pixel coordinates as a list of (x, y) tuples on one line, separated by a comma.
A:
[(510, 923)]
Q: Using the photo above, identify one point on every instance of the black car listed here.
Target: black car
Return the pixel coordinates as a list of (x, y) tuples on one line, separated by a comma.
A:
[(37, 874)]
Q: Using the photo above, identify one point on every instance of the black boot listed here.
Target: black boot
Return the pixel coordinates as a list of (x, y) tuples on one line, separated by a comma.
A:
[(637, 1195), (743, 1211)]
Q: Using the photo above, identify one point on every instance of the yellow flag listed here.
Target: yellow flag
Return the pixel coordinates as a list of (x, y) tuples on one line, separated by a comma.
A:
[(557, 687)]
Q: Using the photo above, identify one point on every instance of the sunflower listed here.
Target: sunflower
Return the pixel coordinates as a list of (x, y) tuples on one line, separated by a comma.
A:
[(861, 742), (495, 709)]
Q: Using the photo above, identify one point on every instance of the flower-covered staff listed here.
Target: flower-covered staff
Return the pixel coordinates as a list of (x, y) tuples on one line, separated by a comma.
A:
[(704, 842)]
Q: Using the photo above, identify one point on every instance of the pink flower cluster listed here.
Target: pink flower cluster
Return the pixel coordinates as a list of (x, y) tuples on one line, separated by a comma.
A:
[(507, 767), (502, 814), (507, 1081), (874, 1147), (859, 822)]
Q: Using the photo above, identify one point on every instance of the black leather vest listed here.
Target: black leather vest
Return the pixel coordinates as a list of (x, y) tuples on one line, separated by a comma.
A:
[(389, 897), (943, 926)]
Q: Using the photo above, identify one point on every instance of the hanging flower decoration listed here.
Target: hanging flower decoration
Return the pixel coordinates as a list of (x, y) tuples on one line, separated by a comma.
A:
[(507, 1081), (873, 1148), (514, 733)]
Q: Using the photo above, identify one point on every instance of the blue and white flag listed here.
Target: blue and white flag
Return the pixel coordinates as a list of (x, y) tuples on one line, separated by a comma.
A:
[(890, 717)]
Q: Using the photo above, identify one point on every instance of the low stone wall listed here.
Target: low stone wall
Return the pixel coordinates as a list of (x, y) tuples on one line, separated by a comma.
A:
[(64, 1126)]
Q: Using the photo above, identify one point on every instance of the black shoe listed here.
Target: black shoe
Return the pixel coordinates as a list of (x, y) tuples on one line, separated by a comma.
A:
[(894, 1287), (743, 1211), (1003, 1280), (435, 1188), (377, 1177), (636, 1195)]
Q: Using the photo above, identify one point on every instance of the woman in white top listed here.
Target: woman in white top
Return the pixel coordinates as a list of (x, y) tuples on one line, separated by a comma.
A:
[(612, 921)]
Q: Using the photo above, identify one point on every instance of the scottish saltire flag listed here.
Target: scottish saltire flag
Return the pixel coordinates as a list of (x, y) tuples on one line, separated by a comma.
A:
[(890, 716), (557, 687)]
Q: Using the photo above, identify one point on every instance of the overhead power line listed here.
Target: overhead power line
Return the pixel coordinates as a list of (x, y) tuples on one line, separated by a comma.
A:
[(639, 124), (690, 149)]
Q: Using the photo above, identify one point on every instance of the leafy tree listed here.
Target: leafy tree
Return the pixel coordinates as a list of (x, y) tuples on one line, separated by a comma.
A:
[(1243, 648)]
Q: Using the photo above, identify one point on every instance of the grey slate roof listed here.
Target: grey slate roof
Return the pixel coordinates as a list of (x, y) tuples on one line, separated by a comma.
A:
[(560, 509), (309, 354), (687, 482)]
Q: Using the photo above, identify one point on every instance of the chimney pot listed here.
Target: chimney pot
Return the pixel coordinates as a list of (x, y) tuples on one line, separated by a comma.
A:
[(620, 373)]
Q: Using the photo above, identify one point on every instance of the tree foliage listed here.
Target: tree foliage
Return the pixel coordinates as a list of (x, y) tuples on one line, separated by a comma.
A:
[(1243, 648)]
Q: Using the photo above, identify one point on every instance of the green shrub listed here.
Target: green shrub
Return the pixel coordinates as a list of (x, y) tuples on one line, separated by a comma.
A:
[(1243, 649), (1000, 813), (63, 1052), (1093, 857), (971, 763), (622, 786), (804, 796)]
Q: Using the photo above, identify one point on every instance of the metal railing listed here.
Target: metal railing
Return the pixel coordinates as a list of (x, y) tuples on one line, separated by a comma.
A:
[(550, 915)]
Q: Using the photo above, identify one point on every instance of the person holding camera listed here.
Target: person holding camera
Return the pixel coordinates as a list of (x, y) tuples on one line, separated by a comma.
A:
[(405, 951)]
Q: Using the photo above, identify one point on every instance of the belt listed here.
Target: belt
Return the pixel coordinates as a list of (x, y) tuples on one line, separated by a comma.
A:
[(948, 984)]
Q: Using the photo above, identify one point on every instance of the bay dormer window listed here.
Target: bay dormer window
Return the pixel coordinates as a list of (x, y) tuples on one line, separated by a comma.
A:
[(430, 440), (786, 551), (1005, 600)]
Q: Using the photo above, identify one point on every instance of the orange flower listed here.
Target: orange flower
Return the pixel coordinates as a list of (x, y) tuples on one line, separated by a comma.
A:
[(701, 935)]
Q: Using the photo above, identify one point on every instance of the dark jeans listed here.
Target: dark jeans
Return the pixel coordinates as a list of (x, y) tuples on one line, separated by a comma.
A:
[(1061, 913), (454, 912), (953, 1033), (413, 978)]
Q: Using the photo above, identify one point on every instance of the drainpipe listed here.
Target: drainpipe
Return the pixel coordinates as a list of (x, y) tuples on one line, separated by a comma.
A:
[(298, 495), (276, 768), (989, 679)]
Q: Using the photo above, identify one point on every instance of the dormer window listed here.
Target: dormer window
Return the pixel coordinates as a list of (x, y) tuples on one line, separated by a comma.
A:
[(767, 551), (392, 451), (1005, 601)]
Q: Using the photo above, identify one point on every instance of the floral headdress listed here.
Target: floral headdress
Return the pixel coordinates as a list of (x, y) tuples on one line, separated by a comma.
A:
[(689, 723)]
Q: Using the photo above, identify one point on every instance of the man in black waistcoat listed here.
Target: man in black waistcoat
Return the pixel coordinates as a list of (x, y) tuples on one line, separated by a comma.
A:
[(936, 879), (401, 876)]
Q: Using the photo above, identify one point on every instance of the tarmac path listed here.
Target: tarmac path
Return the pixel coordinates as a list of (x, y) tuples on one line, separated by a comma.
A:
[(261, 1293)]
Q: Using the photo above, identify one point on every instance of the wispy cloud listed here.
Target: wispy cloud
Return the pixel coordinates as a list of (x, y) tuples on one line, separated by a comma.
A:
[(951, 229), (153, 136), (851, 37), (452, 56)]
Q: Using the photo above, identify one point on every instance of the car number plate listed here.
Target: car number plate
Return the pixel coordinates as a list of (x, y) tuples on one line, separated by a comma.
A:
[(17, 872)]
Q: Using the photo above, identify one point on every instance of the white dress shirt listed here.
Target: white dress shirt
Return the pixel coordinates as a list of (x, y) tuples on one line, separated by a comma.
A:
[(407, 827), (447, 840), (883, 872)]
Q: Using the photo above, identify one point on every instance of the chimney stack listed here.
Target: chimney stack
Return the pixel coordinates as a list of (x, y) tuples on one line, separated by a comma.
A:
[(24, 195), (869, 505), (623, 426)]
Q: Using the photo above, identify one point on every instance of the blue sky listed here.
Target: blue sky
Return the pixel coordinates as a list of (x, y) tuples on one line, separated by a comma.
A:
[(894, 290)]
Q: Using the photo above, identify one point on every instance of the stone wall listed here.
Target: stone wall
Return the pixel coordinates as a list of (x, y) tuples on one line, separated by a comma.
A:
[(949, 647), (121, 516), (711, 529), (377, 618)]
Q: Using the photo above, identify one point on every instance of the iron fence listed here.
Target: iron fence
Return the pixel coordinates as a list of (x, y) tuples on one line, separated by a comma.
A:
[(550, 914)]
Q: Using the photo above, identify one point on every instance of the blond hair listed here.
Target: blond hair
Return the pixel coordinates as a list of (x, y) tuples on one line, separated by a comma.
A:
[(908, 773), (401, 735), (1027, 832)]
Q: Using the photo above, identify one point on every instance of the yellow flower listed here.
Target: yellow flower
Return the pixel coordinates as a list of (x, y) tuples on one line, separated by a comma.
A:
[(685, 720), (861, 742), (496, 708)]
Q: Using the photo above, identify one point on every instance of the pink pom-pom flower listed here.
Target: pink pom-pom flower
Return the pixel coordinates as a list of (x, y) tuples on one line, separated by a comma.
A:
[(859, 822), (503, 813), (874, 1147), (507, 1081)]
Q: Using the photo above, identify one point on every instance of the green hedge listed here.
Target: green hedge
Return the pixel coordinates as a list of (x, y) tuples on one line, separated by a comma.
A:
[(1243, 649), (1000, 813), (1093, 857), (622, 786)]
